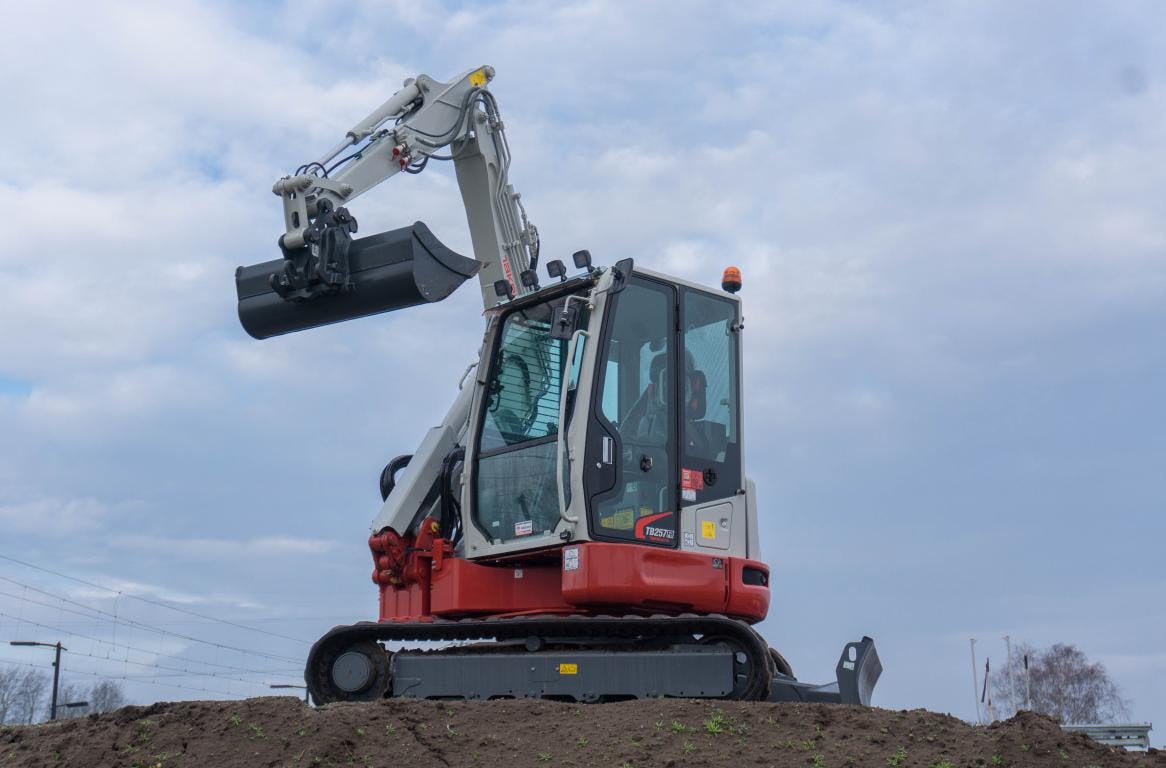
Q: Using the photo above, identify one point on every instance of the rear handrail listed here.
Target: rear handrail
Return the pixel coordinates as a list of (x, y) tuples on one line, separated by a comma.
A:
[(561, 438)]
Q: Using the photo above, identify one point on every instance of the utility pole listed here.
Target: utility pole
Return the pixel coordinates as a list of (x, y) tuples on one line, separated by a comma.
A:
[(1011, 680), (56, 668), (1027, 685), (975, 682)]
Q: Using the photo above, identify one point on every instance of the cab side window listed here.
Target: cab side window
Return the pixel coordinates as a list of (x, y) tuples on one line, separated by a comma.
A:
[(710, 405)]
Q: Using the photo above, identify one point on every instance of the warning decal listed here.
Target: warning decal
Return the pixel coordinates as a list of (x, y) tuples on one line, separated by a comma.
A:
[(568, 669), (691, 480), (524, 528), (708, 529)]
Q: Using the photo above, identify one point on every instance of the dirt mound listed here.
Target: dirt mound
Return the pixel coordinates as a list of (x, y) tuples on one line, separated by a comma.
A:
[(283, 732)]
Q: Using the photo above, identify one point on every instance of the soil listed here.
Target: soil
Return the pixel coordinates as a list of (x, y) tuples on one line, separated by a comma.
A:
[(282, 732)]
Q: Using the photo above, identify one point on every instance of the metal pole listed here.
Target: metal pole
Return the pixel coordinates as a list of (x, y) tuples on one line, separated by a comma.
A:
[(56, 682), (975, 685), (1011, 680), (1027, 685)]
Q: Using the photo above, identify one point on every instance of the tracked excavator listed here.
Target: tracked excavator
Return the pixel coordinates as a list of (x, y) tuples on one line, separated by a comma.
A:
[(579, 526)]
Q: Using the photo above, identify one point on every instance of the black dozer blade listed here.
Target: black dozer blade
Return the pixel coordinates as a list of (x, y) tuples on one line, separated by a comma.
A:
[(857, 672), (386, 272)]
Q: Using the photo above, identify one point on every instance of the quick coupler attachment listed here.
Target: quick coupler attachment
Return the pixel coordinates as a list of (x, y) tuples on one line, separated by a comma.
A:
[(337, 279)]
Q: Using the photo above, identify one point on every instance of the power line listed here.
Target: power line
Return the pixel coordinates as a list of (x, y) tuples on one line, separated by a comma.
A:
[(147, 627), (128, 679), (139, 663), (153, 602), (100, 640), (127, 660), (109, 642)]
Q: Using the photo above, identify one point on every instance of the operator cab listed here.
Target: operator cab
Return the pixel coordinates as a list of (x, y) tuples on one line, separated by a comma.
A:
[(645, 441)]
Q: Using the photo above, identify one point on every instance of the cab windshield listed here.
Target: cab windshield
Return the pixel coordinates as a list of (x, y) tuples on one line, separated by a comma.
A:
[(517, 495)]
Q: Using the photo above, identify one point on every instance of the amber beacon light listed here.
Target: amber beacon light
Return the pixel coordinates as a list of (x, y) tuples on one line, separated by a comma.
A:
[(731, 280)]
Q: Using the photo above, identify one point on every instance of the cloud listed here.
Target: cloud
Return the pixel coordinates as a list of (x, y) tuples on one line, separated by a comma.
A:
[(49, 517), (212, 549)]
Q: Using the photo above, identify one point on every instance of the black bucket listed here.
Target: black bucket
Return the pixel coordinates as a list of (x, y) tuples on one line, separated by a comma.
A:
[(389, 271)]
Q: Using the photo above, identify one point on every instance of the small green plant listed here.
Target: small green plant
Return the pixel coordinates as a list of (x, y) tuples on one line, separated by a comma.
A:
[(256, 731), (897, 759), (581, 741), (678, 727), (626, 764), (1064, 755), (716, 722), (659, 725), (451, 730), (943, 764), (544, 757), (808, 745), (359, 731), (687, 748), (996, 760), (818, 761), (236, 720), (390, 729), (423, 726), (302, 732), (1023, 747)]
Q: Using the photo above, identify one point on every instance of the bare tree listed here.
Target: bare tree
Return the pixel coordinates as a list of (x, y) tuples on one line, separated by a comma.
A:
[(1065, 685), (106, 696), (25, 697), (31, 689), (9, 681)]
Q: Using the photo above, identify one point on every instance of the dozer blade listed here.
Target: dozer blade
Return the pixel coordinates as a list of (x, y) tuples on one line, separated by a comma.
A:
[(382, 273), (857, 673)]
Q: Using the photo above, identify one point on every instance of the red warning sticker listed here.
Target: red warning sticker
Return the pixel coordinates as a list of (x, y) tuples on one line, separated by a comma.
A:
[(691, 480)]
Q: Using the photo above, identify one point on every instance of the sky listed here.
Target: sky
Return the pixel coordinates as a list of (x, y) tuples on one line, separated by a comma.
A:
[(949, 218)]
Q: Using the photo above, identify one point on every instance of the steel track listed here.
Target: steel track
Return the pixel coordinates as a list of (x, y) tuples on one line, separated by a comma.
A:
[(758, 663)]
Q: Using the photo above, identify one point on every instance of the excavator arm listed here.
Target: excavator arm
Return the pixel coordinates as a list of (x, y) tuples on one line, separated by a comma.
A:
[(326, 276)]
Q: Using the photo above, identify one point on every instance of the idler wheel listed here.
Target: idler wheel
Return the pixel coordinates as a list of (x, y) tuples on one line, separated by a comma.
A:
[(356, 672)]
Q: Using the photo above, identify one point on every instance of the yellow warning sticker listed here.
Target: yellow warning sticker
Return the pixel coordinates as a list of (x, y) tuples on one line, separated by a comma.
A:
[(478, 78), (568, 669), (708, 529)]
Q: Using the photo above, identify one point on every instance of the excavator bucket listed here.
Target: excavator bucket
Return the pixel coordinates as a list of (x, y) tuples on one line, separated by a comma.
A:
[(380, 273)]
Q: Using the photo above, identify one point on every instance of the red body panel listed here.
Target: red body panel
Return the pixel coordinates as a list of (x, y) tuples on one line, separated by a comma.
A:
[(430, 582)]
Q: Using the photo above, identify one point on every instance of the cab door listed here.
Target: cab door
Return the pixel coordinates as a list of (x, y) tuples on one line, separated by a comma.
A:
[(631, 478)]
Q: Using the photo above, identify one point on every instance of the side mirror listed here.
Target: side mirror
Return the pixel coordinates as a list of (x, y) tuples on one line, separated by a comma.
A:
[(620, 274), (566, 315)]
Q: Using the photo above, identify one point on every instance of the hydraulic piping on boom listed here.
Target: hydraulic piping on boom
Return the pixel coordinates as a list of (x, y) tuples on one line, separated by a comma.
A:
[(407, 266)]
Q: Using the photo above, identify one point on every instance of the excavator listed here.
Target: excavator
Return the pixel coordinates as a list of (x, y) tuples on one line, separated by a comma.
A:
[(579, 526)]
